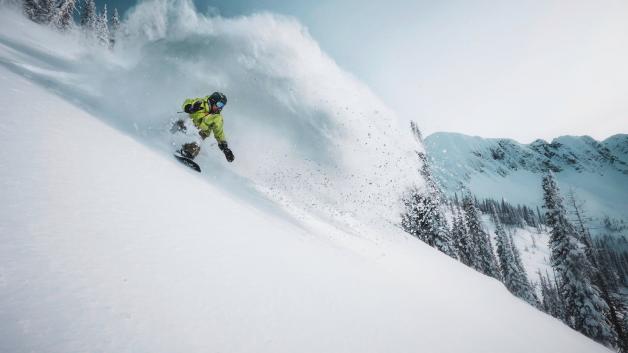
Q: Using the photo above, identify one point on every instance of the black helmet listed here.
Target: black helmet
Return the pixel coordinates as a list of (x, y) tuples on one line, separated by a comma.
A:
[(217, 97)]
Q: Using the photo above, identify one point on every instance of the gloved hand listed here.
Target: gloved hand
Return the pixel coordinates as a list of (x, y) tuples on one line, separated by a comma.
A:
[(225, 149), (178, 125), (191, 108)]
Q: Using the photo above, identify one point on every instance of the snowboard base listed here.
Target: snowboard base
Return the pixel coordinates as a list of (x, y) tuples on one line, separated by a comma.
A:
[(188, 162)]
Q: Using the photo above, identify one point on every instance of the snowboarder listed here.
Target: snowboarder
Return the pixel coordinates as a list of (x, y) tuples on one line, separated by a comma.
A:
[(205, 114)]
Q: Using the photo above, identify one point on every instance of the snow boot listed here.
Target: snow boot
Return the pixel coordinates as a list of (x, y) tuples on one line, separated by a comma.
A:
[(190, 150)]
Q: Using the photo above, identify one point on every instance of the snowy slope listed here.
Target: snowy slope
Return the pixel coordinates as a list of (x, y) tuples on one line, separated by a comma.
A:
[(110, 245), (596, 171)]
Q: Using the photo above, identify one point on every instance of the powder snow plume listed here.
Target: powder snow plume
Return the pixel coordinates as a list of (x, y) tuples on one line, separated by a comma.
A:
[(304, 132)]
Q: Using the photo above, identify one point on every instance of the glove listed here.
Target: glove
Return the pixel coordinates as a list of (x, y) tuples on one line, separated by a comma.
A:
[(228, 155), (225, 149), (191, 108), (178, 125)]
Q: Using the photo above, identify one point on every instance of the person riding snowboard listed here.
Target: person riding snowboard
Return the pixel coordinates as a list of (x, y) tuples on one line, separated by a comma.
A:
[(205, 114)]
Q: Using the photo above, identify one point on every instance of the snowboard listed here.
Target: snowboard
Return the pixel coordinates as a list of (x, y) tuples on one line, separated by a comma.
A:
[(188, 162)]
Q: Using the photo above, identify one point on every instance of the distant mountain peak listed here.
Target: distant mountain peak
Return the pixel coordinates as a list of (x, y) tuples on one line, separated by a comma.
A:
[(501, 155), (502, 167)]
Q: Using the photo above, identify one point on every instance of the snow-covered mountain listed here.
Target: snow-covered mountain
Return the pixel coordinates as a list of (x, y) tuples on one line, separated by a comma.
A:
[(596, 171), (107, 244)]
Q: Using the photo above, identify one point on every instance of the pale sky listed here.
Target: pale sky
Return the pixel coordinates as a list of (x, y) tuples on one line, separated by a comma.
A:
[(519, 69)]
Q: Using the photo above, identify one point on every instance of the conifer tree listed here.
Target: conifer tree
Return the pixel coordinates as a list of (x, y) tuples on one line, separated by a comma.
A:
[(40, 11), (102, 27), (551, 303), (539, 215), (115, 20), (30, 9), (423, 216), (596, 274), (89, 16), (460, 238), (545, 302), (115, 26), (584, 307), (65, 14), (513, 273), (517, 255), (482, 256), (493, 257)]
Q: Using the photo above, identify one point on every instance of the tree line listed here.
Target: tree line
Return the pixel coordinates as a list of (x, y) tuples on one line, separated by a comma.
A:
[(61, 15), (585, 289), (518, 216), (463, 237)]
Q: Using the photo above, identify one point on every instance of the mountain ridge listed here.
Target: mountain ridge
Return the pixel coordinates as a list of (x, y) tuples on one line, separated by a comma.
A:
[(602, 150), (501, 167)]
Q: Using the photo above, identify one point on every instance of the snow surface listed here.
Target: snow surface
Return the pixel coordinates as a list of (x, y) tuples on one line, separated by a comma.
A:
[(110, 245)]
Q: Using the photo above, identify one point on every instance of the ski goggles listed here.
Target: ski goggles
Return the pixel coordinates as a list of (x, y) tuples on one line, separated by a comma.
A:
[(220, 105)]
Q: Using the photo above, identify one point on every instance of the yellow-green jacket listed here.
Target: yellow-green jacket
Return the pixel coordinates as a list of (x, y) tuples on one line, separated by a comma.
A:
[(205, 121)]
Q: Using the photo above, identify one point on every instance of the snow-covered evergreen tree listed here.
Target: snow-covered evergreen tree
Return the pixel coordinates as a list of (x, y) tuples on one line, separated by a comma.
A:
[(513, 273), (460, 238), (584, 307), (596, 274), (483, 258), (115, 26), (543, 286), (551, 303), (516, 255), (30, 8), (102, 27), (424, 219), (89, 16), (115, 20), (40, 11), (423, 216), (64, 17)]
